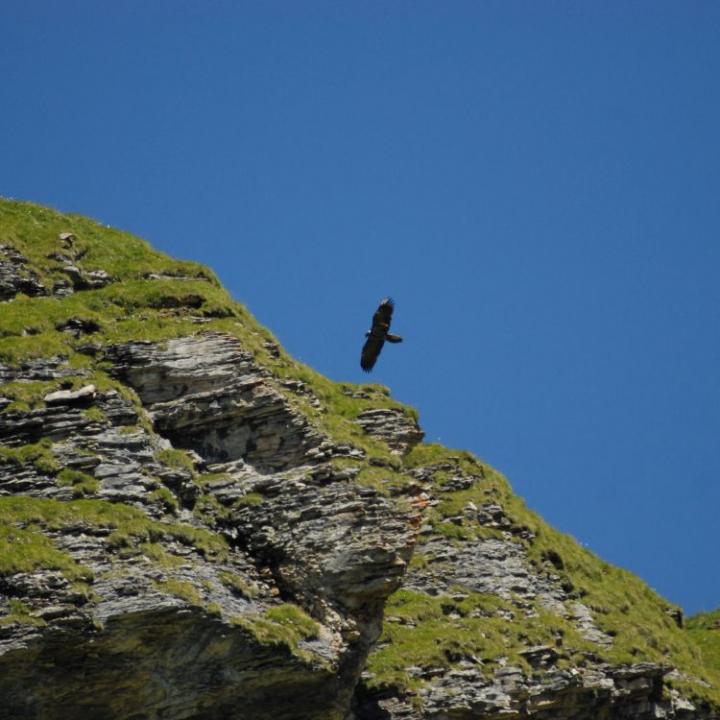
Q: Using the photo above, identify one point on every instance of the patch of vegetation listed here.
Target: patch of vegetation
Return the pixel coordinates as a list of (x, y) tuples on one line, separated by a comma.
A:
[(175, 458), (704, 630), (181, 589), (34, 230), (19, 613), (251, 498), (130, 527), (384, 479), (432, 632), (205, 479), (295, 618), (13, 350), (238, 584), (429, 454), (39, 455), (81, 483), (94, 414), (285, 624), (27, 550), (27, 395), (152, 296), (158, 555), (164, 497), (210, 510)]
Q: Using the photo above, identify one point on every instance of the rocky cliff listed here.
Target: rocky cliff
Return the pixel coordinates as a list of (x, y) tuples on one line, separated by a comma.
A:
[(194, 525)]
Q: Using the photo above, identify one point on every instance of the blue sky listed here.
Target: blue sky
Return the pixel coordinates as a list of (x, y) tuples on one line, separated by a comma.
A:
[(537, 185)]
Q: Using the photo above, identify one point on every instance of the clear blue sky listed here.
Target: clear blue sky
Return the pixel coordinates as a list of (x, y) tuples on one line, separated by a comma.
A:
[(537, 184)]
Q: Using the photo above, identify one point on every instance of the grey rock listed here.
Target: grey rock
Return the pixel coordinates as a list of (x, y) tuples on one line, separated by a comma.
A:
[(84, 395), (206, 394), (43, 369), (394, 426), (79, 326), (85, 279), (15, 275)]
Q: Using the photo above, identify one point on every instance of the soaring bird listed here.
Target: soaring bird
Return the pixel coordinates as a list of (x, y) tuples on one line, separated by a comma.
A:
[(378, 334)]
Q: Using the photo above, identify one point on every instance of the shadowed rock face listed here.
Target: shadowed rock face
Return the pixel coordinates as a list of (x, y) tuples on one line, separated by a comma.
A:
[(161, 663)]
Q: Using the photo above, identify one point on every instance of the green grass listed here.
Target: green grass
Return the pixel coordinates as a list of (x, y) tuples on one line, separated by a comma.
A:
[(704, 630), (158, 555), (175, 458), (383, 479), (130, 527), (94, 414), (27, 395), (27, 550), (131, 308), (239, 584), (34, 229), (286, 625), (434, 632), (19, 613), (81, 483), (164, 497), (39, 455), (204, 479), (251, 498), (181, 589)]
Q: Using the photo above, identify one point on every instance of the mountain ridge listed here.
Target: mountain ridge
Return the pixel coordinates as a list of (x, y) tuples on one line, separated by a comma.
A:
[(164, 461)]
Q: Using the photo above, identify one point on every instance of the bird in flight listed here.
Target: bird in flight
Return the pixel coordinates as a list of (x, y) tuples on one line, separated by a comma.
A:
[(378, 334)]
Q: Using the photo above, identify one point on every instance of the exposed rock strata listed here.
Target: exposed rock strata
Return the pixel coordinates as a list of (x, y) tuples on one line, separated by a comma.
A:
[(207, 394), (185, 642), (393, 425), (628, 693), (15, 275)]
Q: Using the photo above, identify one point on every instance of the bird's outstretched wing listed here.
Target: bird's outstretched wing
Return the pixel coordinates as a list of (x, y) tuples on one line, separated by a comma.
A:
[(377, 335), (371, 349)]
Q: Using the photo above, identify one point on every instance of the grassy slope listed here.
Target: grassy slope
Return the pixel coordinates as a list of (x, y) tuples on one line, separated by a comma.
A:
[(704, 629), (135, 307), (445, 629)]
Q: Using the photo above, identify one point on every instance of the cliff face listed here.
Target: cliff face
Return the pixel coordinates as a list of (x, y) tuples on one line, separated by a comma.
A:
[(194, 525)]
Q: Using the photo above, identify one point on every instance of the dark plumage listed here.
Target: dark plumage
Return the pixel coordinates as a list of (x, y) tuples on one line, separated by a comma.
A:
[(378, 334)]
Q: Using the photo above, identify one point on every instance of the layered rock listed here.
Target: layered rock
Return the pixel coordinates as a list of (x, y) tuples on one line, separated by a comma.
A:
[(15, 275), (206, 394), (277, 618), (635, 692), (392, 425)]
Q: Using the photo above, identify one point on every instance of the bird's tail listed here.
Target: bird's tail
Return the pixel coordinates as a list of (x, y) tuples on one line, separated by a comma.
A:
[(393, 338)]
